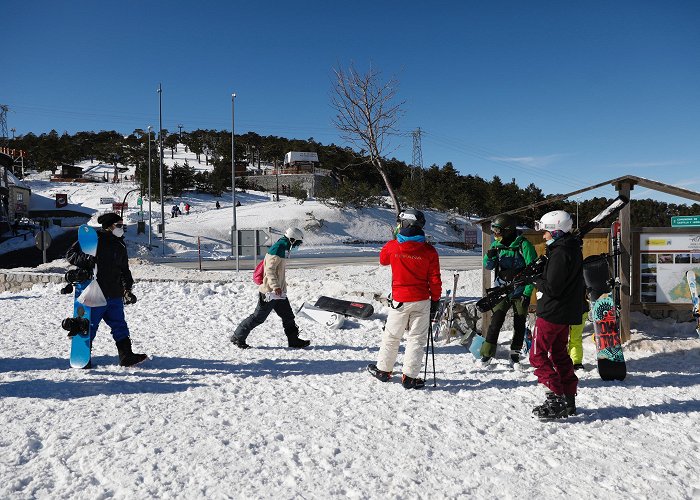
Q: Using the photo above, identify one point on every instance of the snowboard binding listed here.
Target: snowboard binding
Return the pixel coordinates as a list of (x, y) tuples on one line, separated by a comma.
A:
[(74, 326), (75, 276)]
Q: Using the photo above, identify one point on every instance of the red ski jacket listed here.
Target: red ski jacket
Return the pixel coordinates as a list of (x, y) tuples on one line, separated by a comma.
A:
[(415, 270)]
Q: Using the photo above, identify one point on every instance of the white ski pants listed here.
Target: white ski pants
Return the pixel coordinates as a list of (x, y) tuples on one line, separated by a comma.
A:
[(412, 320)]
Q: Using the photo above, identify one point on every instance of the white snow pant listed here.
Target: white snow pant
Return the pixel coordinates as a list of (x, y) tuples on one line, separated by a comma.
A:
[(412, 320)]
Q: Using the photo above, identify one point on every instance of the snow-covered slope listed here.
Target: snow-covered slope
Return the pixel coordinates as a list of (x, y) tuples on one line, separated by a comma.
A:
[(203, 419)]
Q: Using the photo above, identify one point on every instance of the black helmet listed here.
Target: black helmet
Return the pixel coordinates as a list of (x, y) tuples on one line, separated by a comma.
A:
[(411, 217), (504, 225)]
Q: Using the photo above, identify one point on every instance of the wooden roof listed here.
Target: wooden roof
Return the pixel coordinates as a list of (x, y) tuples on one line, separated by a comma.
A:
[(617, 182)]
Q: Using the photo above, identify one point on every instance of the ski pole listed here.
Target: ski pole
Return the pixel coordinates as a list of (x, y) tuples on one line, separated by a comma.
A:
[(430, 343)]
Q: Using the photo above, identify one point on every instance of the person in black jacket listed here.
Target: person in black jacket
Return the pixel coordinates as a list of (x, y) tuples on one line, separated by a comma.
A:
[(559, 297), (114, 278)]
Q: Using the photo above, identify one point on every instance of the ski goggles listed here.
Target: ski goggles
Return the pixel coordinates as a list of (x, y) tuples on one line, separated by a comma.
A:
[(541, 226), (496, 229), (119, 224)]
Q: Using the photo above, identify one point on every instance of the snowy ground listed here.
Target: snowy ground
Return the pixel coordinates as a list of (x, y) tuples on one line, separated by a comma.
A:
[(202, 419)]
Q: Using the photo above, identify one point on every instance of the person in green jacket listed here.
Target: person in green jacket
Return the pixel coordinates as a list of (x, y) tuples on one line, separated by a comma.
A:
[(508, 255)]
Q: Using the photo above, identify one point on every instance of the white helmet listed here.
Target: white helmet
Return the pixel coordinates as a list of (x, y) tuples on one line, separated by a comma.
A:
[(294, 234), (557, 220)]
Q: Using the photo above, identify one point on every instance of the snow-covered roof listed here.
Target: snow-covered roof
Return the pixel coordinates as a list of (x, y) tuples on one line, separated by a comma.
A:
[(12, 180), (38, 203)]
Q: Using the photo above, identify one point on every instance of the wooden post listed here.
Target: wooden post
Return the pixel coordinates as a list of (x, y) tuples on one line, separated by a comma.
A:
[(485, 273), (624, 188)]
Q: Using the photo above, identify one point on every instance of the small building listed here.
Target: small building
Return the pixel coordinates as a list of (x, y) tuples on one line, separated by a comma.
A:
[(15, 196)]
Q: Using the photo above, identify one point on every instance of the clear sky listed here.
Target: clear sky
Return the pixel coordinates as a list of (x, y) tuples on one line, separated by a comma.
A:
[(564, 94)]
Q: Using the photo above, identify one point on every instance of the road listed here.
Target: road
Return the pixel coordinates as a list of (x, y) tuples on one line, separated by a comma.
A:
[(32, 257), (447, 262)]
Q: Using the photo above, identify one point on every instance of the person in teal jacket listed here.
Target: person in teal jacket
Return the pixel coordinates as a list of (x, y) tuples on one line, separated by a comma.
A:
[(508, 255)]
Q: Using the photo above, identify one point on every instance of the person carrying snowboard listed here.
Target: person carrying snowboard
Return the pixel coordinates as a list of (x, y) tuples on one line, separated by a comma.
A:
[(508, 255), (560, 292), (272, 294), (416, 288), (114, 278)]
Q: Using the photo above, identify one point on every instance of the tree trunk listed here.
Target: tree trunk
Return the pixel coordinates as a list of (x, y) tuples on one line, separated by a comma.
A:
[(380, 167)]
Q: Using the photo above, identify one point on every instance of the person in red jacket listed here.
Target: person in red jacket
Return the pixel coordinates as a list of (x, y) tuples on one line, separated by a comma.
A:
[(415, 292)]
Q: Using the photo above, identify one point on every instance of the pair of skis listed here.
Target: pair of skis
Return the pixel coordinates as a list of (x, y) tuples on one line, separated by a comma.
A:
[(444, 319), (692, 284)]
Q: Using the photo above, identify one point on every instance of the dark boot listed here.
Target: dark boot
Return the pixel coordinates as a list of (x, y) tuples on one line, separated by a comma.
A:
[(126, 356), (412, 383), (553, 407), (238, 342), (298, 343), (378, 374), (570, 403)]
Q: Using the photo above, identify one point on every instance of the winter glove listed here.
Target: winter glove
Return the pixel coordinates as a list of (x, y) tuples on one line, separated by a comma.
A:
[(129, 298), (492, 253), (434, 306)]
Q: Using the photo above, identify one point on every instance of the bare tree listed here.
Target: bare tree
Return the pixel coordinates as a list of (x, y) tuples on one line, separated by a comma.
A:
[(366, 115)]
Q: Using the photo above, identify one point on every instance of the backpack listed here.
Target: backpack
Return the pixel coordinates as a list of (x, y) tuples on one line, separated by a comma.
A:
[(259, 272)]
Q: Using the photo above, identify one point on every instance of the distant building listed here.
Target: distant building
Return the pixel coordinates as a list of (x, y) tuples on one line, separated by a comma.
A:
[(14, 193)]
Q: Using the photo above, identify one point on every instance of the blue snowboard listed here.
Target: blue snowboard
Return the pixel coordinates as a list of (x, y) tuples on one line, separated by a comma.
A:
[(80, 349)]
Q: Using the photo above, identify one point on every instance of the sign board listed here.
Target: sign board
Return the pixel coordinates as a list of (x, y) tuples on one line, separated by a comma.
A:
[(664, 260), (119, 206), (685, 221), (470, 237), (254, 242), (61, 200), (139, 201), (106, 201), (42, 240)]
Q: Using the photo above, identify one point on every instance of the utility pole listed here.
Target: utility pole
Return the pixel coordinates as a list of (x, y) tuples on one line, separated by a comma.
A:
[(13, 130), (150, 219), (234, 228), (180, 127), (162, 207)]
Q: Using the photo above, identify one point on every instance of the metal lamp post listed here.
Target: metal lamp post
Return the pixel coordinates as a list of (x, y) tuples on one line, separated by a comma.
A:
[(162, 207), (150, 219), (234, 229)]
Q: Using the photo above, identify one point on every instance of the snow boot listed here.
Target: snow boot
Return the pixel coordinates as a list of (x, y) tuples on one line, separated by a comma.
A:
[(553, 407), (485, 361), (578, 366), (297, 343), (126, 356), (570, 403), (514, 359), (412, 383), (379, 374), (238, 342)]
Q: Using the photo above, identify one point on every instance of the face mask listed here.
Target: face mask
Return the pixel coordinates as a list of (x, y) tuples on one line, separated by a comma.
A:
[(118, 232)]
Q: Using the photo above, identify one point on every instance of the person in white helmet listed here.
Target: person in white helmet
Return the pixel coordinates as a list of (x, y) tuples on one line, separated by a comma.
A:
[(272, 294), (560, 292)]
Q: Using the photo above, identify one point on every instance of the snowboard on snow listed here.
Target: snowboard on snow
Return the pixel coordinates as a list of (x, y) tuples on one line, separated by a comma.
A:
[(360, 310), (78, 326), (692, 284), (330, 319)]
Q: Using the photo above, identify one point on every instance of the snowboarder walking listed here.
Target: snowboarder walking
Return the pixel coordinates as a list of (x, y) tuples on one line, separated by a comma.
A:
[(415, 289), (272, 294), (508, 255), (559, 299), (114, 278)]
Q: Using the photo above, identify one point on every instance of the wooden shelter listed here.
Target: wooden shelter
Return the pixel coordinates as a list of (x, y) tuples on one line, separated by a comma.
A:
[(624, 185)]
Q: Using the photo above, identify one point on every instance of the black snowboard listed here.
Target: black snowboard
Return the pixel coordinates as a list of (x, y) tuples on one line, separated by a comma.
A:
[(360, 310)]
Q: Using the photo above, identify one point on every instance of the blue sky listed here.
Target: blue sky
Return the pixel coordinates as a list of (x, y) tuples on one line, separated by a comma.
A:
[(560, 93)]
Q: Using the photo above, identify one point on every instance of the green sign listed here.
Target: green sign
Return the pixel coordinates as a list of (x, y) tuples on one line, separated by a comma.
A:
[(685, 221), (139, 201)]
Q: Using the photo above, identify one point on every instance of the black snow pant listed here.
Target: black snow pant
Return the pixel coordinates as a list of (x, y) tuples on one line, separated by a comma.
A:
[(262, 311), (519, 318)]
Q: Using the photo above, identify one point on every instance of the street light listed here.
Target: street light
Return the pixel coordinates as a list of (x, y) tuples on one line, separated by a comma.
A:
[(150, 220), (13, 130), (162, 207), (234, 229)]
